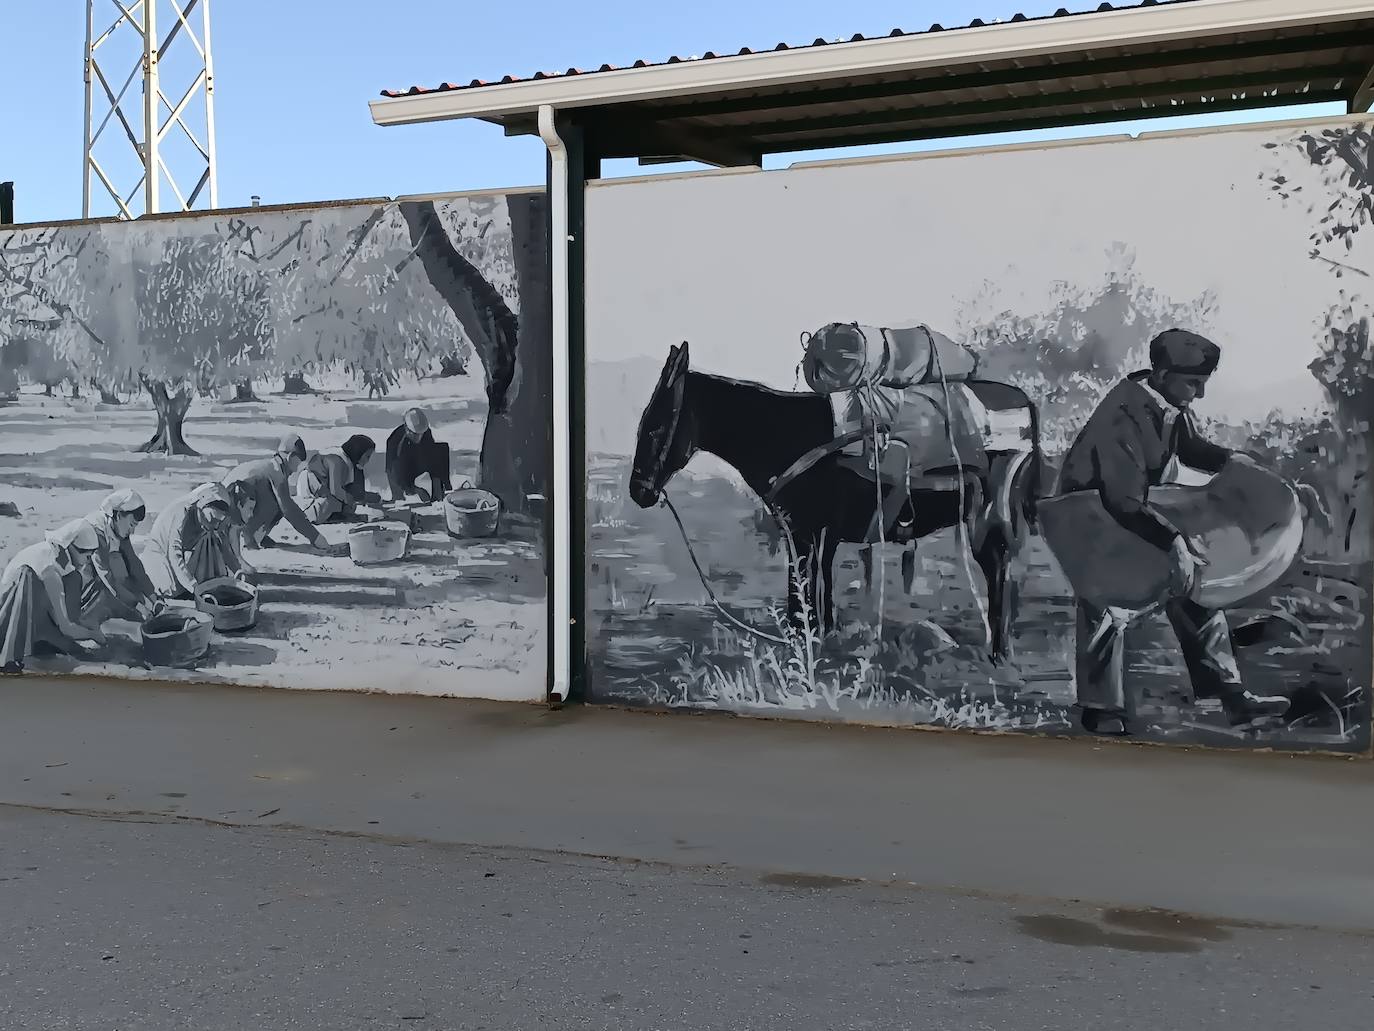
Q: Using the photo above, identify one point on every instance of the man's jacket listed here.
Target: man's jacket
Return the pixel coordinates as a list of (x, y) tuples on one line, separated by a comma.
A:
[(1125, 449)]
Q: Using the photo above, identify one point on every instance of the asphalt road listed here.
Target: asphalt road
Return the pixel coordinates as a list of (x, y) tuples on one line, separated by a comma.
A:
[(152, 924)]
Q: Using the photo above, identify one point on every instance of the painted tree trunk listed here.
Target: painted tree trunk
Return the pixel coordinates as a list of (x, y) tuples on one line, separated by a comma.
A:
[(171, 413), (295, 384), (243, 391), (452, 365), (108, 396), (513, 351), (519, 439)]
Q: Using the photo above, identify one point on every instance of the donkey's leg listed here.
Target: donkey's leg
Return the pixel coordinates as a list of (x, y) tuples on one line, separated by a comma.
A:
[(826, 583), (866, 557), (909, 567), (994, 559)]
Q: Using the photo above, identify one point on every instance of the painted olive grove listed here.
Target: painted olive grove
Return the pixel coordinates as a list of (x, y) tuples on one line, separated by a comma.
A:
[(1071, 439), (405, 344)]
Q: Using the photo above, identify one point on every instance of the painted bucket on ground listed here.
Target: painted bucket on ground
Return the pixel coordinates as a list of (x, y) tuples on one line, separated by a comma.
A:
[(1248, 520), (175, 637), (378, 542), (471, 512), (231, 603)]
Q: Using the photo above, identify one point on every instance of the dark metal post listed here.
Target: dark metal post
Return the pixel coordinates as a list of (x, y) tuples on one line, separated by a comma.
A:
[(6, 204)]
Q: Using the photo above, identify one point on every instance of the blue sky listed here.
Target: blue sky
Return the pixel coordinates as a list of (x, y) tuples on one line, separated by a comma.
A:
[(293, 78)]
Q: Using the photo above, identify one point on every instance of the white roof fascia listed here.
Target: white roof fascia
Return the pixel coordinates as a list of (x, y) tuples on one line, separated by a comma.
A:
[(881, 55)]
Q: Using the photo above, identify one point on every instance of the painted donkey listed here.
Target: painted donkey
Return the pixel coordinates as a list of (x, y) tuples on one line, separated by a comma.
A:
[(764, 433)]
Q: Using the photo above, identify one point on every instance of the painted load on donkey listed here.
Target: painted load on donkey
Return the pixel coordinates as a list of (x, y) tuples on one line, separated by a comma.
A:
[(909, 405)]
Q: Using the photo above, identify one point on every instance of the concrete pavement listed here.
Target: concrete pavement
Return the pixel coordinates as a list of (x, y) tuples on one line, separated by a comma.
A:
[(148, 924), (1266, 838)]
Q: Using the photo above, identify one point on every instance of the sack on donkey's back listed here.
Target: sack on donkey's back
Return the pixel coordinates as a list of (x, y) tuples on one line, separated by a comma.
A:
[(845, 356)]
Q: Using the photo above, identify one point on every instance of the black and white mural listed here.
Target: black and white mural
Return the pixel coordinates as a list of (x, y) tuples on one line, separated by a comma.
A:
[(299, 447), (1073, 440)]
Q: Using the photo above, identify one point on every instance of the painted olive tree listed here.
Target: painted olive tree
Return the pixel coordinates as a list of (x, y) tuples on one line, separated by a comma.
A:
[(511, 343), (202, 317), (355, 298)]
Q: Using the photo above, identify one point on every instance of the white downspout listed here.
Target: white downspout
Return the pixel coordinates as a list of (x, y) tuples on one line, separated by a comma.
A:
[(562, 456)]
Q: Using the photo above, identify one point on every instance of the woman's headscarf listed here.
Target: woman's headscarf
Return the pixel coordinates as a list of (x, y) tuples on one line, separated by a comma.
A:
[(78, 534), (124, 502), (291, 446), (356, 446), (416, 421), (208, 492)]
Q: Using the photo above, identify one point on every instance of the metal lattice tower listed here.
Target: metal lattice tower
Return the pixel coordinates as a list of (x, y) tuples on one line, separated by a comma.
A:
[(158, 159)]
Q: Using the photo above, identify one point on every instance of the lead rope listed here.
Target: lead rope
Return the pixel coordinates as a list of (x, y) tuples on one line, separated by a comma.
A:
[(880, 513), (711, 594)]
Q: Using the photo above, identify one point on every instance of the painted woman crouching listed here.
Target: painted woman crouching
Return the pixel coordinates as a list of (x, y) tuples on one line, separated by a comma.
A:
[(40, 597), (120, 587), (333, 483), (198, 538)]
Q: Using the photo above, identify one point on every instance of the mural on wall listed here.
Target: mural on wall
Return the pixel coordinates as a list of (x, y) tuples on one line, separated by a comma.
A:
[(1087, 458), (304, 448)]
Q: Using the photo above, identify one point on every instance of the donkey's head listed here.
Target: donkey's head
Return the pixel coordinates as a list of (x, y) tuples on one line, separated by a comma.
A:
[(662, 448)]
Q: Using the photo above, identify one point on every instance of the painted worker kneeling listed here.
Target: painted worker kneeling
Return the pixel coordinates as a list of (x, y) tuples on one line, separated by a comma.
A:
[(120, 587), (333, 483), (1130, 444), (40, 597), (412, 453), (194, 540)]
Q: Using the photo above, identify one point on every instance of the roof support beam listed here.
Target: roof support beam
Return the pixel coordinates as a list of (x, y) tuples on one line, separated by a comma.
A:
[(613, 138), (1133, 96), (1039, 72), (806, 141), (1363, 95)]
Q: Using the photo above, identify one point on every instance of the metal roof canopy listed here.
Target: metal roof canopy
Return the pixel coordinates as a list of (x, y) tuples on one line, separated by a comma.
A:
[(1164, 58)]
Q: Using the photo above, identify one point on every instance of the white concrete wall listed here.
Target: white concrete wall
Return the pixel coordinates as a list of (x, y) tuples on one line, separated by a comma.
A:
[(1106, 241)]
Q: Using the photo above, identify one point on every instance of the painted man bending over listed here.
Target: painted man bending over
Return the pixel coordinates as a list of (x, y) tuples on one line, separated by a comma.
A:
[(1129, 445), (268, 481)]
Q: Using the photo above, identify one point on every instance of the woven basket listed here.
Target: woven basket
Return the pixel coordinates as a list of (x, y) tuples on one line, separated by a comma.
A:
[(176, 637), (232, 604), (471, 512), (378, 542)]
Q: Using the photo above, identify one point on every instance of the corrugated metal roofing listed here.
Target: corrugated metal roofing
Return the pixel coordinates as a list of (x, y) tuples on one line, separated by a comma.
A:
[(976, 23)]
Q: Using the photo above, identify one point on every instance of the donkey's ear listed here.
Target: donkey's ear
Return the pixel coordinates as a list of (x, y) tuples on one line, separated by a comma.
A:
[(684, 355)]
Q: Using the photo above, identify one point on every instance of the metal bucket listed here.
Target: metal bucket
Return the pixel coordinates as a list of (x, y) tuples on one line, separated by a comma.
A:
[(378, 542), (471, 512), (231, 603), (175, 637)]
